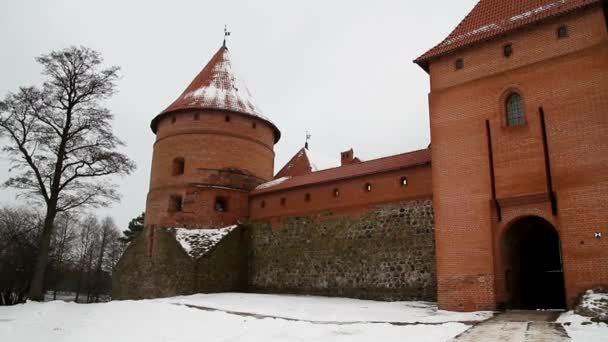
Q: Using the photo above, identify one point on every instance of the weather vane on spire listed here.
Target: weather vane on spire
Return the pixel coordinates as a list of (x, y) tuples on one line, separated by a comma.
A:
[(226, 34), (307, 138)]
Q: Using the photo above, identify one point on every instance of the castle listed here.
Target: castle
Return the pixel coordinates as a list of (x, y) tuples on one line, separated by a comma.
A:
[(505, 209)]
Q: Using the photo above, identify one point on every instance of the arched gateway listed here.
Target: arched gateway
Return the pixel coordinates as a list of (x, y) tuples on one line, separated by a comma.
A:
[(533, 265)]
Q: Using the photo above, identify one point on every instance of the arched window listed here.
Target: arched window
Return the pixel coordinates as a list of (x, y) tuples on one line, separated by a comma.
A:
[(403, 181), (178, 166), (515, 110), (368, 187), (336, 192)]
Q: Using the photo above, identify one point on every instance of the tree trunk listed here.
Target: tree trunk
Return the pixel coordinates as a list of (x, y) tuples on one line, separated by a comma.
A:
[(37, 286)]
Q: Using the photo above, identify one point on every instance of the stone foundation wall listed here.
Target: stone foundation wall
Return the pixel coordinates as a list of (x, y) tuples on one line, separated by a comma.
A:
[(386, 254), (157, 266)]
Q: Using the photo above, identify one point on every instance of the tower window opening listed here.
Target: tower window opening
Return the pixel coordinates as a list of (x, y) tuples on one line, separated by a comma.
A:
[(562, 32), (403, 181), (173, 119), (175, 203), (220, 205), (507, 50), (283, 201), (197, 116), (307, 197), (263, 204), (254, 125), (227, 118), (515, 110), (178, 166), (336, 192), (368, 187)]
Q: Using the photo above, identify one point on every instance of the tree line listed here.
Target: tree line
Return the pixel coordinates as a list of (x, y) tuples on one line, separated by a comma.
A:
[(63, 153), (83, 251)]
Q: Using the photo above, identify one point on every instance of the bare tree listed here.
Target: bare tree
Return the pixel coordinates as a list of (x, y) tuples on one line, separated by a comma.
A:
[(60, 141)]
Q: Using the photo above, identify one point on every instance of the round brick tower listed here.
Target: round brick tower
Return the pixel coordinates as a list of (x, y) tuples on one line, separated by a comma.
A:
[(212, 147)]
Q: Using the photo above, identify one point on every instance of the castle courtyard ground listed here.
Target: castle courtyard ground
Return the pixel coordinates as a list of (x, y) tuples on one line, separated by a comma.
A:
[(256, 317)]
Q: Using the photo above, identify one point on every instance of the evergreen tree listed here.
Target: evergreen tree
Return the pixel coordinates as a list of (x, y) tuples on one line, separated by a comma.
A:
[(135, 227)]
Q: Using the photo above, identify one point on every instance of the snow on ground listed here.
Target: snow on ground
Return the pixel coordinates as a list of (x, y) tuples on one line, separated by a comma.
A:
[(578, 323), (164, 320), (312, 308), (581, 329)]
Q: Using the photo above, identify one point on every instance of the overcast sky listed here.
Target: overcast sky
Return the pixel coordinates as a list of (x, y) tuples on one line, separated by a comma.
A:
[(341, 69)]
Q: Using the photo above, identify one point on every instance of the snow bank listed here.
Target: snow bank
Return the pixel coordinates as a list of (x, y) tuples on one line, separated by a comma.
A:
[(160, 320), (197, 242), (583, 324)]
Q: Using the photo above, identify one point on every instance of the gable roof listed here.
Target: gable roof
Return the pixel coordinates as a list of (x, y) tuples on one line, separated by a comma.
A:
[(491, 18), (396, 162), (300, 164), (217, 87)]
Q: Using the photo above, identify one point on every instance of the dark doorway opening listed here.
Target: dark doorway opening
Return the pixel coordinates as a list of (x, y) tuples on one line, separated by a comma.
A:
[(534, 274)]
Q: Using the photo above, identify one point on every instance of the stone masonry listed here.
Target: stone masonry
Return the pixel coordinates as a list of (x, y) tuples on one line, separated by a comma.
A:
[(385, 254)]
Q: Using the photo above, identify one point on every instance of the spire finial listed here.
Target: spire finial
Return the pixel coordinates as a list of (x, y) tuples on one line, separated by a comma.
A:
[(226, 34), (307, 138)]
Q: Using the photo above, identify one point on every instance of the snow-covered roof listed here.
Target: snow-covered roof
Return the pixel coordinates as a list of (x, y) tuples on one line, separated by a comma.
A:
[(217, 86), (272, 183), (197, 242)]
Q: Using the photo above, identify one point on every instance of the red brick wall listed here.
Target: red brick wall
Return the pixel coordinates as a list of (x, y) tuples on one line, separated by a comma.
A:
[(353, 199), (222, 159), (568, 78)]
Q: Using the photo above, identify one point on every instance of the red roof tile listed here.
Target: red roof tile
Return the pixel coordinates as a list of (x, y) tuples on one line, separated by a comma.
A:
[(395, 162), (217, 87), (490, 18), (299, 165)]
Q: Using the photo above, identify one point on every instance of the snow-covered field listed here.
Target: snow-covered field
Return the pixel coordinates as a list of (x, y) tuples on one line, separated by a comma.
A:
[(232, 317), (251, 317)]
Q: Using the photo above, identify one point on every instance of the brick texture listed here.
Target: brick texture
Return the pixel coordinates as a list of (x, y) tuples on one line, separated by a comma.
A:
[(567, 78)]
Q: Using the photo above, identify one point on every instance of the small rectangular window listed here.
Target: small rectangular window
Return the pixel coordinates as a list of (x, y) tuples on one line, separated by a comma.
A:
[(562, 32), (175, 204), (178, 166), (459, 64)]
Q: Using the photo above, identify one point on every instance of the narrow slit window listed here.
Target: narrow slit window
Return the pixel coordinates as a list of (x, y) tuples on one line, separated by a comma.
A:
[(227, 118), (336, 192), (368, 187), (307, 197), (403, 181), (263, 204), (197, 116), (283, 201)]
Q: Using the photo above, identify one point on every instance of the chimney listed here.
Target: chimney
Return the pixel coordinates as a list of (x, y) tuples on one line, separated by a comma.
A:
[(347, 157)]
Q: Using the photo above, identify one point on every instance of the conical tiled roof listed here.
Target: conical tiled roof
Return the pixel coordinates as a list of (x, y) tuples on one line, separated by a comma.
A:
[(217, 87), (491, 18)]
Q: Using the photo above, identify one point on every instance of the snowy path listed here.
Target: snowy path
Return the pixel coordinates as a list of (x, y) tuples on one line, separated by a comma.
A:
[(518, 326)]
